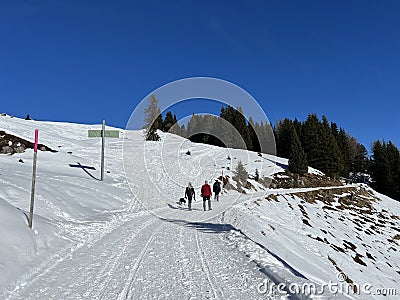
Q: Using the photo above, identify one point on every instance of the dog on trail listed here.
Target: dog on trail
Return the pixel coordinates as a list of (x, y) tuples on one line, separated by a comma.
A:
[(182, 201)]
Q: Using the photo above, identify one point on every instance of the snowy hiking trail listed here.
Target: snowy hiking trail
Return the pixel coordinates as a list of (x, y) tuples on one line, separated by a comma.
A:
[(134, 254), (150, 258), (95, 240)]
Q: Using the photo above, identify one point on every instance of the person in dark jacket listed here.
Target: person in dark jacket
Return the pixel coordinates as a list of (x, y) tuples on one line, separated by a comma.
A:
[(216, 189), (206, 194), (190, 194)]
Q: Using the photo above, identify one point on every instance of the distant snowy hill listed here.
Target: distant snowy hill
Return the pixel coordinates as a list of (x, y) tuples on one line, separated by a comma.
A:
[(96, 240)]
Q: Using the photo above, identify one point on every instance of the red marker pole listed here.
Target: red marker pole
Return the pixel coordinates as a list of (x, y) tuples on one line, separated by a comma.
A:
[(33, 177), (222, 179)]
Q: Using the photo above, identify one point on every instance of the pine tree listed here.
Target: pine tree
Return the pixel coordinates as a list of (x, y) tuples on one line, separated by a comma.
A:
[(243, 128), (238, 121), (152, 114), (253, 135), (297, 158), (343, 141), (311, 140), (169, 121), (241, 172), (152, 135), (193, 125), (359, 161), (266, 138), (381, 168), (321, 146), (393, 155), (283, 137), (183, 132), (153, 119), (330, 154)]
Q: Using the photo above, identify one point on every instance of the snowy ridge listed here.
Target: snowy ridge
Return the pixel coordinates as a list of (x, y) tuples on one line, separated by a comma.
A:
[(95, 240)]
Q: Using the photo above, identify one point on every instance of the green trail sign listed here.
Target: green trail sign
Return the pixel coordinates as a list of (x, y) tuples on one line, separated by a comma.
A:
[(103, 133), (108, 133)]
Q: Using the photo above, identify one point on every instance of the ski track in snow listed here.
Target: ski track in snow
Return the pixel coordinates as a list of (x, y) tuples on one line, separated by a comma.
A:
[(147, 258), (206, 269)]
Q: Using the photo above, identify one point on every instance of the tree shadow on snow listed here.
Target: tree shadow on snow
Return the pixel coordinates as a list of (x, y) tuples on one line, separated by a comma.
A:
[(201, 226), (224, 228), (283, 166)]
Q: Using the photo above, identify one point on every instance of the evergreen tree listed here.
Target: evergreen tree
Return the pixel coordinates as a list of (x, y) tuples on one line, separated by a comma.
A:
[(311, 140), (298, 126), (152, 114), (193, 125), (284, 132), (393, 155), (255, 144), (169, 121), (237, 119), (381, 168), (152, 135), (243, 128), (321, 146), (153, 119), (332, 160), (241, 172), (297, 158), (343, 141), (267, 139), (183, 132), (386, 169), (359, 162)]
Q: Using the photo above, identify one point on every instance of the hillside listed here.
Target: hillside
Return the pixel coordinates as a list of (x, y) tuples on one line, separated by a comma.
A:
[(127, 236)]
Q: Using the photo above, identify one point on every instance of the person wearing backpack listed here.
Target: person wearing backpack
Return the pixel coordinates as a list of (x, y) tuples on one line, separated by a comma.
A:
[(189, 194), (216, 189), (206, 194)]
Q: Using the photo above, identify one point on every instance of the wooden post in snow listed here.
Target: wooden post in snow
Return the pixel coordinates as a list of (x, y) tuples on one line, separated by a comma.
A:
[(33, 178)]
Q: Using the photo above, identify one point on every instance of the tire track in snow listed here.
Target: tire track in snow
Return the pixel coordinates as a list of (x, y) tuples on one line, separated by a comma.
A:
[(30, 278), (206, 269), (126, 292), (184, 265), (110, 268)]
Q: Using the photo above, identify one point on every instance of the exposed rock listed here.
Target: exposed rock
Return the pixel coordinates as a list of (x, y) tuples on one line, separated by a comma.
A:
[(10, 144), (7, 150)]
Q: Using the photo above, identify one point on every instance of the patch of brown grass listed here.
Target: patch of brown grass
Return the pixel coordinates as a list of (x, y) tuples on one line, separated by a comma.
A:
[(347, 279), (291, 180), (272, 197)]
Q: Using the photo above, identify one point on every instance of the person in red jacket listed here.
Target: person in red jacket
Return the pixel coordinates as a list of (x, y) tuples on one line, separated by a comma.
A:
[(206, 194)]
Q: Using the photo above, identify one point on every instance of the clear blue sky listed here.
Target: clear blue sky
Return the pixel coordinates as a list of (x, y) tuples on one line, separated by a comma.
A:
[(82, 61)]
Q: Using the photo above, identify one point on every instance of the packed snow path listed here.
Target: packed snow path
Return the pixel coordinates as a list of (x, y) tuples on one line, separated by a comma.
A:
[(150, 258)]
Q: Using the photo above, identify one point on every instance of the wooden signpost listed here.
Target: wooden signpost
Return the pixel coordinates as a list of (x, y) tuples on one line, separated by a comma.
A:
[(33, 177), (103, 133)]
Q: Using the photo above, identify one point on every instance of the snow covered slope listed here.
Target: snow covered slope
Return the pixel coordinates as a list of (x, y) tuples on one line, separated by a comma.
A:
[(96, 240)]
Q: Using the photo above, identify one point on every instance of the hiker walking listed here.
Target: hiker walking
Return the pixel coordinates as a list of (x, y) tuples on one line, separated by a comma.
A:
[(216, 189), (189, 194), (206, 194)]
